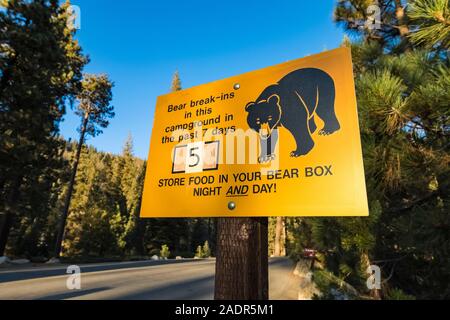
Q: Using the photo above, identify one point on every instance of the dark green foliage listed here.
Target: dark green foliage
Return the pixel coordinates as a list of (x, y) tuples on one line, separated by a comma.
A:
[(94, 104), (40, 68), (402, 83), (432, 19), (105, 205), (357, 17), (95, 110), (105, 208), (402, 73)]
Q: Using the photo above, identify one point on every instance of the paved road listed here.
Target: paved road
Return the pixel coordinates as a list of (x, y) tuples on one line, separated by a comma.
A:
[(149, 280)]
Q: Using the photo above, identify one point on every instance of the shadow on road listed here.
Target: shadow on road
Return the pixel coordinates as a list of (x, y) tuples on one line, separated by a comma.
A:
[(73, 294), (190, 282), (37, 273), (196, 289)]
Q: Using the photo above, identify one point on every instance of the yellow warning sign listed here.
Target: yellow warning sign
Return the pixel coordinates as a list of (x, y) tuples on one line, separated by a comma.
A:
[(281, 141)]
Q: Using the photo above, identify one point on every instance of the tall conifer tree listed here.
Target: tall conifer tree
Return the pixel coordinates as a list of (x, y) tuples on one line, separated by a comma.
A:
[(40, 67), (94, 110)]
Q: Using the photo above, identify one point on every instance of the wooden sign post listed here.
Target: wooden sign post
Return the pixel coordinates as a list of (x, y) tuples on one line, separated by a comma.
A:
[(242, 259), (280, 141)]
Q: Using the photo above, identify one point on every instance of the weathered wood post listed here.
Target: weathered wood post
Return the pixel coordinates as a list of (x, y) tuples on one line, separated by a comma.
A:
[(242, 259)]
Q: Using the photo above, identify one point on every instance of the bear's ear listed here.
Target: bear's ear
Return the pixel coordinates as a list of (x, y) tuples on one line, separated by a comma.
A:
[(249, 106), (274, 99)]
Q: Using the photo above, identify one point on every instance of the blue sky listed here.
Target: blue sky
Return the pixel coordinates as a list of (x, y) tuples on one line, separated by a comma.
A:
[(141, 45)]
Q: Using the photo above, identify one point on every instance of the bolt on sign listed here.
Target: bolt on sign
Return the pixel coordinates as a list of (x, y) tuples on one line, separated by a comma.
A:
[(281, 141)]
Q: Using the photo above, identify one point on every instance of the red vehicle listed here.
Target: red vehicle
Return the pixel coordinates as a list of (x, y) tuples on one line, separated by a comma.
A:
[(309, 253)]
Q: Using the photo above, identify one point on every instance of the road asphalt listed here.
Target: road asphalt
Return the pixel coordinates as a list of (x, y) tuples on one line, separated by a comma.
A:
[(143, 280)]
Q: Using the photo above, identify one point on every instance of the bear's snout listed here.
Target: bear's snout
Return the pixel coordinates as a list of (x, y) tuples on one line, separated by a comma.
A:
[(265, 131)]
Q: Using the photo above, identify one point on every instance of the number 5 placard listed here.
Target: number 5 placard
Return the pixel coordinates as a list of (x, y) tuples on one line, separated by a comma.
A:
[(196, 157)]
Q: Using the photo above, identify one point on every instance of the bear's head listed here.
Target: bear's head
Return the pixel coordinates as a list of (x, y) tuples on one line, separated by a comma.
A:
[(264, 116)]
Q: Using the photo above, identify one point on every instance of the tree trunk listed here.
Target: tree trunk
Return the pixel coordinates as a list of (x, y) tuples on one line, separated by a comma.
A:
[(283, 239), (242, 259), (5, 226), (278, 237), (7, 219), (62, 224)]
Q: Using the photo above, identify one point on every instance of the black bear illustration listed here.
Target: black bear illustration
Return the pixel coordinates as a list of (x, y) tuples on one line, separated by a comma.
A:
[(293, 103)]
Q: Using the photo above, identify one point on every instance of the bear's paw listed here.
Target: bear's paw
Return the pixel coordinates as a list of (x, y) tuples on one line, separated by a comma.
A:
[(267, 158), (329, 130), (325, 133), (299, 153)]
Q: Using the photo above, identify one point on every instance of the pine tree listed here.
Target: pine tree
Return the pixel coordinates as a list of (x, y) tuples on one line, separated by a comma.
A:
[(173, 232), (384, 21), (123, 176), (130, 192), (199, 252), (165, 252), (402, 81), (432, 20), (206, 250), (136, 237), (96, 225), (95, 110), (176, 82), (96, 235), (40, 67)]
